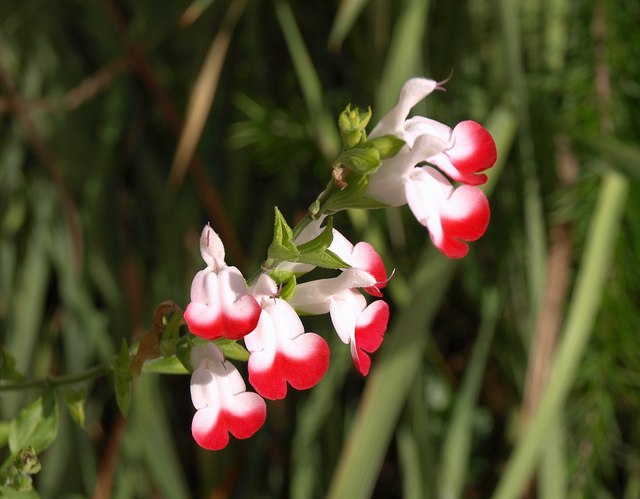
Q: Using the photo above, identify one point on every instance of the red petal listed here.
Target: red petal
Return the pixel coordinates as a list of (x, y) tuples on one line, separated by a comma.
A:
[(300, 372), (210, 428), (465, 217), (202, 321), (365, 257), (370, 329), (473, 151)]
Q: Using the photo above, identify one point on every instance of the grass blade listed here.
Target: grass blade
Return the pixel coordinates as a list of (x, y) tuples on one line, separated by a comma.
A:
[(457, 443), (581, 317)]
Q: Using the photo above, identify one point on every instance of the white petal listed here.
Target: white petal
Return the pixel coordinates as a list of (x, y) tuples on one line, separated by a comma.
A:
[(211, 248), (344, 311), (265, 287), (412, 92), (315, 297)]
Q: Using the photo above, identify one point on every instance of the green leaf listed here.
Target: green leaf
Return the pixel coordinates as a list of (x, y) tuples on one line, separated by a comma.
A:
[(326, 259), (122, 376), (282, 246), (165, 365), (170, 336), (319, 243), (8, 367), (36, 425), (232, 349), (74, 400)]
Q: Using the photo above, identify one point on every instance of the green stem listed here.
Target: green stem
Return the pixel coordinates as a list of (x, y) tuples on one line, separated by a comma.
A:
[(54, 381)]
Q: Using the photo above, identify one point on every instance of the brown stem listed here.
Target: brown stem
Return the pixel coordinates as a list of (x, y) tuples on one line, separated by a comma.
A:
[(208, 192)]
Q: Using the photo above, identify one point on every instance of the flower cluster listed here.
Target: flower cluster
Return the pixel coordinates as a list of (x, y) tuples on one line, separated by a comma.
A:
[(281, 352), (452, 215), (404, 161)]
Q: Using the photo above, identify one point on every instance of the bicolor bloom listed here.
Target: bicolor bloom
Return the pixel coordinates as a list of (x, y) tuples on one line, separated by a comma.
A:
[(361, 256), (358, 325), (452, 215), (220, 302), (281, 351), (222, 403)]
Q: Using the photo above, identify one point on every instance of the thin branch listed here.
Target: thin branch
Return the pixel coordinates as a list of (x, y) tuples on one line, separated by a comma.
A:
[(209, 194), (86, 90)]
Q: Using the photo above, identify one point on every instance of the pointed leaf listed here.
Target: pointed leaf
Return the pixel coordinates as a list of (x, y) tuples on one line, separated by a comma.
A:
[(282, 246), (171, 335), (122, 376), (36, 425), (319, 243), (326, 259), (165, 365), (74, 400)]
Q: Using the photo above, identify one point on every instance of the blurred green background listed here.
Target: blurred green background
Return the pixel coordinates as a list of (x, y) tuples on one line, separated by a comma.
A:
[(126, 126)]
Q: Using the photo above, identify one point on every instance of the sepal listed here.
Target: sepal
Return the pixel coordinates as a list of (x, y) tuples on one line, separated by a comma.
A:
[(367, 156), (282, 246)]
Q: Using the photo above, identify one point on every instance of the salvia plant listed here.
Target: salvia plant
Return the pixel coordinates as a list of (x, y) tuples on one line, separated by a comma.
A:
[(431, 167)]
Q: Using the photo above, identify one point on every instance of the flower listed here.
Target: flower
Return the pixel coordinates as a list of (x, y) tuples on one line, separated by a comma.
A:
[(220, 301), (360, 326), (223, 405), (361, 256), (281, 351), (452, 215)]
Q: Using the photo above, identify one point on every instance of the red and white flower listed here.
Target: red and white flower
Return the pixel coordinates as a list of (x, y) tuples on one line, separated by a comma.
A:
[(452, 215), (361, 256), (358, 325), (223, 405), (220, 302), (281, 351)]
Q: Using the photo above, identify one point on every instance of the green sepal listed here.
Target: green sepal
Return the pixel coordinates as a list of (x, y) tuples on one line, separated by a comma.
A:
[(352, 126), (361, 159), (352, 196), (122, 377), (74, 400), (287, 290), (36, 425), (367, 157), (282, 246), (281, 276), (387, 145)]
